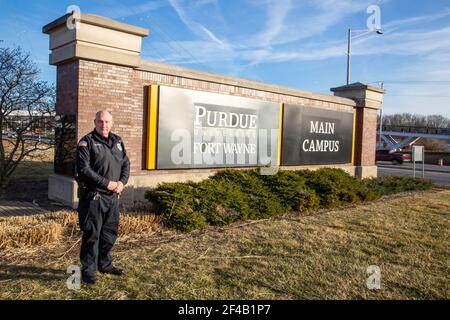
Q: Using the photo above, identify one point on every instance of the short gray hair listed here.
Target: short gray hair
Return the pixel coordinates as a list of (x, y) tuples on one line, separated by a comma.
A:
[(101, 111)]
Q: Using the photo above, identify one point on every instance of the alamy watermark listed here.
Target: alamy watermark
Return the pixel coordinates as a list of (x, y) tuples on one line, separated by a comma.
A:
[(74, 280), (374, 277), (268, 170), (73, 22), (374, 20), (220, 146)]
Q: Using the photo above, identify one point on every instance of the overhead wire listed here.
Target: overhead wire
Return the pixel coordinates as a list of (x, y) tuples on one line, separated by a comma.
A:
[(169, 40)]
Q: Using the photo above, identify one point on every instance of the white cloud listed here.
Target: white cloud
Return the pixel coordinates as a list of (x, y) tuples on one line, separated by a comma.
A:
[(283, 38), (214, 38), (195, 27), (276, 11), (396, 24), (283, 17), (407, 43), (316, 17), (119, 11), (203, 51), (420, 87)]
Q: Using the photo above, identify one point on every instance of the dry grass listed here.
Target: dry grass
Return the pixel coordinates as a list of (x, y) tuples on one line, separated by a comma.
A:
[(138, 223), (26, 231), (33, 170), (46, 156), (19, 236), (37, 166), (38, 230), (320, 256)]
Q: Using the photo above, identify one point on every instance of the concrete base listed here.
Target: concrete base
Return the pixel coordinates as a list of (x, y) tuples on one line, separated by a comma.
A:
[(134, 191), (350, 169), (363, 172), (63, 189)]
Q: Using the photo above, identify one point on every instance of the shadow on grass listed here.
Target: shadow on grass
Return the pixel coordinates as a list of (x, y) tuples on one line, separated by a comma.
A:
[(12, 272), (19, 210)]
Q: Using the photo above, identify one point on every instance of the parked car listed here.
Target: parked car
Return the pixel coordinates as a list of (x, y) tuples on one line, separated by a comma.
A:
[(393, 156)]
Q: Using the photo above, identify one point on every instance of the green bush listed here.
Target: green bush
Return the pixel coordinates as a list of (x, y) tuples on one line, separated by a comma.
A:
[(336, 187), (390, 185), (291, 191), (237, 195), (174, 203), (220, 202), (227, 197), (261, 202)]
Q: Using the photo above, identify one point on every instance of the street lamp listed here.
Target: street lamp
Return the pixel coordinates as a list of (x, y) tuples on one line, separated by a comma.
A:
[(349, 46)]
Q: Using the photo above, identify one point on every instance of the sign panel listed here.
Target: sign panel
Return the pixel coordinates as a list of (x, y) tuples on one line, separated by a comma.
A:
[(198, 129), (417, 153), (316, 136)]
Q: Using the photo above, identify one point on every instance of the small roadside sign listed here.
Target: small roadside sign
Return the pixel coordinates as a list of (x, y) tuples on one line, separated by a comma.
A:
[(418, 154)]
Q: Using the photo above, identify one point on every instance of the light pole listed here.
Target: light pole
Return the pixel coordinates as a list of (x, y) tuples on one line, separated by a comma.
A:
[(349, 46)]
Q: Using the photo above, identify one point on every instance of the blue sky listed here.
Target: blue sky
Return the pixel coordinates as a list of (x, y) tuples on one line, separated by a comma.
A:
[(294, 43)]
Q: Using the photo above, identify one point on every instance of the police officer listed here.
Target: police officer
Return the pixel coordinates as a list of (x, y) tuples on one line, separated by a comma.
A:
[(103, 170)]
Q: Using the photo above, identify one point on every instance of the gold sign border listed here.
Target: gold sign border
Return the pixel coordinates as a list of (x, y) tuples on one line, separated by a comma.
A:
[(152, 126)]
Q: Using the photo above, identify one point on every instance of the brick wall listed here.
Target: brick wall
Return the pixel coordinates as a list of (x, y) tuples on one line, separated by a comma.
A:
[(67, 88), (105, 86), (366, 123), (122, 90), (369, 129)]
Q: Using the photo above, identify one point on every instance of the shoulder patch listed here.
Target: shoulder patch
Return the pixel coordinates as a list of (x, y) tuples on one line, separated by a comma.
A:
[(119, 146), (82, 144)]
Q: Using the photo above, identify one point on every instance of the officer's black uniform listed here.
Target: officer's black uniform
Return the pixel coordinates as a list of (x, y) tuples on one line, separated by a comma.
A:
[(99, 161)]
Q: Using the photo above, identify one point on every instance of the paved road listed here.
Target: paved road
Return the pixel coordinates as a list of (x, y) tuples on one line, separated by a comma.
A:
[(437, 174)]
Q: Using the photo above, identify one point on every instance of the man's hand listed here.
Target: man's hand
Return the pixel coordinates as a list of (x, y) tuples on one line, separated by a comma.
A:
[(119, 187), (112, 185)]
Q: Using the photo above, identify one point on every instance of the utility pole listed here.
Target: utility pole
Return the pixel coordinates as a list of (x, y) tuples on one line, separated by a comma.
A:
[(349, 45)]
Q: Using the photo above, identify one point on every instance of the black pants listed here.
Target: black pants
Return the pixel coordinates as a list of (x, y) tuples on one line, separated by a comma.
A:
[(99, 221)]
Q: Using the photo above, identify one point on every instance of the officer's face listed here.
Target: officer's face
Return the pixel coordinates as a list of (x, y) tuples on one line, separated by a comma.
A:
[(103, 124)]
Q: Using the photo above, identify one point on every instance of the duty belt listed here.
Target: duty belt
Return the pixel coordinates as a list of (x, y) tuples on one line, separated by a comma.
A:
[(97, 195)]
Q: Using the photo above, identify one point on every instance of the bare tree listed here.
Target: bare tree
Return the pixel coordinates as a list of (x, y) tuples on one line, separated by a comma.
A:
[(416, 120), (438, 121), (26, 102)]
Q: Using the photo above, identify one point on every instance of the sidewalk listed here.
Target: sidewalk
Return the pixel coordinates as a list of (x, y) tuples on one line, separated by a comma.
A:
[(409, 166), (18, 209)]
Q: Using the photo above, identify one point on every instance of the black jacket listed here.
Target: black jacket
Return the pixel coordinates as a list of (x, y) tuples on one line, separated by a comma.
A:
[(100, 161)]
